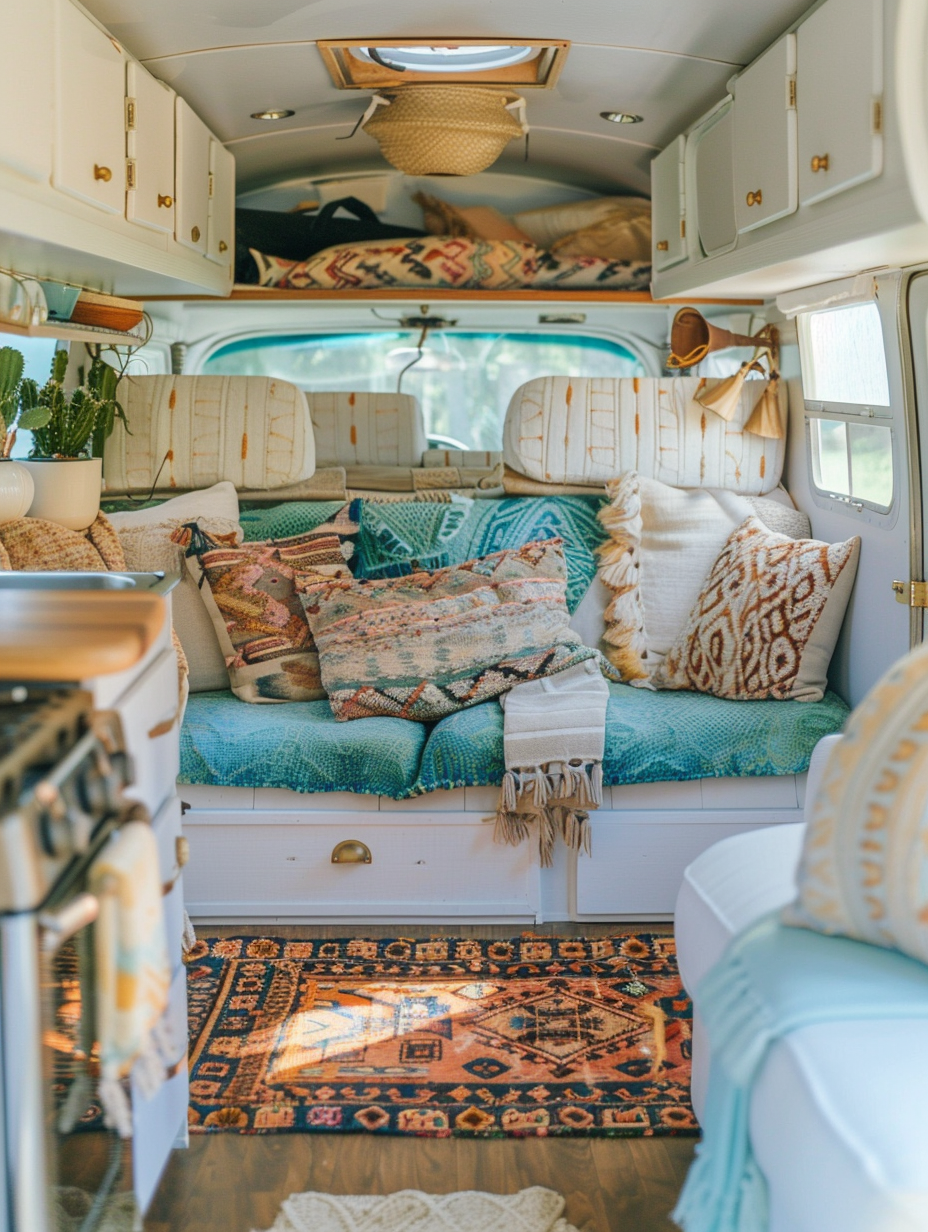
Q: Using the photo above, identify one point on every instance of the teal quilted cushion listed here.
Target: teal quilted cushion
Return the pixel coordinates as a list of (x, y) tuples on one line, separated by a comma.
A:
[(298, 745), (650, 737), (261, 522), (400, 537)]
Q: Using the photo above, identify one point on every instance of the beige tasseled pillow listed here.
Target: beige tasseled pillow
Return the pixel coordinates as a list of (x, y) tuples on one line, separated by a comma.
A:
[(767, 619)]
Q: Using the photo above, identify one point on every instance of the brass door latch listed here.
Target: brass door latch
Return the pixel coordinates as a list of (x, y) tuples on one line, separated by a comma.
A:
[(912, 594)]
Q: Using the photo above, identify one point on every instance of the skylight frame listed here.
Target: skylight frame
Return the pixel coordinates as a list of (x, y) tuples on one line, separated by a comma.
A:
[(348, 72)]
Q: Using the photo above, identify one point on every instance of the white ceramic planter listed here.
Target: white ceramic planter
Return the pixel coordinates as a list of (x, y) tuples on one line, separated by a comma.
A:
[(16, 490), (67, 490)]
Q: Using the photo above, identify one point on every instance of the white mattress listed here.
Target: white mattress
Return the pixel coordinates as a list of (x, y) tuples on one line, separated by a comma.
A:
[(838, 1115)]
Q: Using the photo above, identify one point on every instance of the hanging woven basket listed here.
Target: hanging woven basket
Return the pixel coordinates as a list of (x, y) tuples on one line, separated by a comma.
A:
[(444, 129)]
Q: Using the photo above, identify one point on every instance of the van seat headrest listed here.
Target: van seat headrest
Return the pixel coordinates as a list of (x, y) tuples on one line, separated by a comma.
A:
[(254, 431), (367, 429), (587, 430)]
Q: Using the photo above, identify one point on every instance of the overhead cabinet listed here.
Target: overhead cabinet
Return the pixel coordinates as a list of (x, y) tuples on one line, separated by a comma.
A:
[(668, 218), (840, 95), (765, 136), (150, 150), (709, 150), (26, 69), (191, 178), (90, 135), (221, 229)]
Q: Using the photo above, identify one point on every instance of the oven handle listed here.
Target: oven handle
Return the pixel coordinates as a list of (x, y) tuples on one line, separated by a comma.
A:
[(59, 926)]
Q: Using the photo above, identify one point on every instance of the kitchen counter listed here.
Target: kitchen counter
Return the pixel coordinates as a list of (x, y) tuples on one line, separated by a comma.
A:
[(71, 635)]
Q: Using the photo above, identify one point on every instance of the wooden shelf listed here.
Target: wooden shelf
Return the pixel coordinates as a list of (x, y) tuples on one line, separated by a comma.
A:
[(423, 295), (68, 331)]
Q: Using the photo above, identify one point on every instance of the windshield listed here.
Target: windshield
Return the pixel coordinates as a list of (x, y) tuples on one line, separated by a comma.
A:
[(464, 380)]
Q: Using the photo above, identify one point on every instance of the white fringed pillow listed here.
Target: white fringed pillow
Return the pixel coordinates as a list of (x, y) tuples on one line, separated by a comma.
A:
[(864, 866)]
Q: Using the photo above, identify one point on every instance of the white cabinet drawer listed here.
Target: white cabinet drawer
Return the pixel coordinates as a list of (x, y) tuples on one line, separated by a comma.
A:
[(281, 870), (90, 139), (765, 183), (150, 121), (149, 713)]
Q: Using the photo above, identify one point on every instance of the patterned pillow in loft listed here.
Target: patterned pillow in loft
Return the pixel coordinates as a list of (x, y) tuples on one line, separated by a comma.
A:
[(767, 620), (864, 866), (423, 646), (250, 592)]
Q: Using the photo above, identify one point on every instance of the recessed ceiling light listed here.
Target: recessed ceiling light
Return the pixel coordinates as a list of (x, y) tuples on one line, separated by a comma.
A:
[(282, 114), (621, 117)]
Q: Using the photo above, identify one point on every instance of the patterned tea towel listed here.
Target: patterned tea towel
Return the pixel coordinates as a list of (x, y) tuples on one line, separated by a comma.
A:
[(554, 736), (133, 972)]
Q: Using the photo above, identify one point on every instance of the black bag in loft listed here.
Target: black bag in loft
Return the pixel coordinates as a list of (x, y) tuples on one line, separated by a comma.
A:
[(295, 237)]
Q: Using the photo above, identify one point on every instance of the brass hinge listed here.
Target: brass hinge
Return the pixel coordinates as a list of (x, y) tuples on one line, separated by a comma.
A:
[(211, 184), (682, 228), (130, 173), (790, 92), (877, 120), (130, 114), (912, 594)]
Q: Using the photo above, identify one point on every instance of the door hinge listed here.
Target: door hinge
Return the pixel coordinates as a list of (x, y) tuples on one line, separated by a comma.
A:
[(682, 228), (790, 93), (211, 184), (877, 117), (130, 174), (912, 594), (130, 115)]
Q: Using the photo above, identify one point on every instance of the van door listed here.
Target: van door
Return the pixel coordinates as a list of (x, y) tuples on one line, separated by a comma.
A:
[(917, 314)]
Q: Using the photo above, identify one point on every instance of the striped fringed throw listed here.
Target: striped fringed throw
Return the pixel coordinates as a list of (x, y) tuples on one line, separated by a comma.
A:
[(554, 736)]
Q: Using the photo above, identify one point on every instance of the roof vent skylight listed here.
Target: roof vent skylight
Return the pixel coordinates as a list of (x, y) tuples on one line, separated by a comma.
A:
[(445, 59), (380, 64)]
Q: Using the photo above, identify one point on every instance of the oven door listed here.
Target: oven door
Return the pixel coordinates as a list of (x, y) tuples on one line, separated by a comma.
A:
[(66, 1171)]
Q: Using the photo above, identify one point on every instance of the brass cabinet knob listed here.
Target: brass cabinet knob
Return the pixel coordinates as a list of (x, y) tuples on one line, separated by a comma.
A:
[(223, 246), (102, 173), (195, 234), (165, 201), (755, 198), (352, 851), (819, 162), (662, 245)]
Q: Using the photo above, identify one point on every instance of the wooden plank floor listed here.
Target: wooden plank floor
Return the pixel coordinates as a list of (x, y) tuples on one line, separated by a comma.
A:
[(236, 1183)]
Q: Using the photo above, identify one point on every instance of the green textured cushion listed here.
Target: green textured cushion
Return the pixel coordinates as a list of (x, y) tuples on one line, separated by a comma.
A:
[(650, 737), (282, 521), (403, 536), (227, 742)]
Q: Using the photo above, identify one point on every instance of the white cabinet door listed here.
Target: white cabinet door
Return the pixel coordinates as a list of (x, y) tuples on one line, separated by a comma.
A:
[(766, 184), (191, 178), (150, 124), (840, 88), (668, 221), (710, 151), (221, 231), (26, 62), (90, 128)]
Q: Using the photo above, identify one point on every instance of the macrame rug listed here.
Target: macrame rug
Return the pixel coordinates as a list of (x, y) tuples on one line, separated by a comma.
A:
[(533, 1036), (410, 1210)]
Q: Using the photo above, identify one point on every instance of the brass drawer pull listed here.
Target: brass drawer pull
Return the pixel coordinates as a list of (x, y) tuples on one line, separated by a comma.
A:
[(164, 201), (819, 162), (102, 173), (352, 851), (223, 246), (755, 198), (662, 245), (195, 235)]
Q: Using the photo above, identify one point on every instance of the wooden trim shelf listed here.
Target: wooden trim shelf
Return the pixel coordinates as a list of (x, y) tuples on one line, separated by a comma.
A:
[(424, 295), (70, 331)]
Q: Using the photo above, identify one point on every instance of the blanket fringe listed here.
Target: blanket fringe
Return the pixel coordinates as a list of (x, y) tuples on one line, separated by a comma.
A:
[(554, 798)]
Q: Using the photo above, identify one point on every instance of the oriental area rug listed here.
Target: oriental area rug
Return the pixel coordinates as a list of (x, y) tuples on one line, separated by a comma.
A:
[(533, 1036)]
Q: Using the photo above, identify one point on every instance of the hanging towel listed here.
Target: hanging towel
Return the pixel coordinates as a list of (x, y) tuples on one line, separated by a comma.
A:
[(774, 979), (133, 972), (554, 735)]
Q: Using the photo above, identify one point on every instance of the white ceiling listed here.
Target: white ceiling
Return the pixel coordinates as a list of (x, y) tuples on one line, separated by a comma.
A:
[(667, 60)]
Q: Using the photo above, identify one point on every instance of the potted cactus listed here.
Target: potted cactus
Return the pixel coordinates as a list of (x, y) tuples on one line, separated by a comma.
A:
[(68, 432), (16, 486)]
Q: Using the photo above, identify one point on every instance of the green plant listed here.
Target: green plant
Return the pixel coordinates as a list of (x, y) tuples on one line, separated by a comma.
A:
[(75, 425), (13, 414)]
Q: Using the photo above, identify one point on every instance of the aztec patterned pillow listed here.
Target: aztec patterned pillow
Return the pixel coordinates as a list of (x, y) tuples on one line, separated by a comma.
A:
[(423, 646), (864, 866), (767, 620), (250, 592)]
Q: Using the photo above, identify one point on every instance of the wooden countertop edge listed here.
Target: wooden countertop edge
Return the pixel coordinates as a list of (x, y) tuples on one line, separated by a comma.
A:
[(52, 635)]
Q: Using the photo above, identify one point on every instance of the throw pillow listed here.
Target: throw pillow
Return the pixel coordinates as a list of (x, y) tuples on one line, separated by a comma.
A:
[(475, 222), (145, 535), (624, 234), (864, 866), (551, 223), (423, 646), (250, 593), (767, 620)]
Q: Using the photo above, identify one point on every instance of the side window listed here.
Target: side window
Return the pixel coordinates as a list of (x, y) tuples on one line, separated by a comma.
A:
[(846, 393)]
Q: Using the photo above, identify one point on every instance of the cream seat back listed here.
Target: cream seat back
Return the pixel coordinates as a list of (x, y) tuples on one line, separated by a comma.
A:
[(587, 430), (367, 429)]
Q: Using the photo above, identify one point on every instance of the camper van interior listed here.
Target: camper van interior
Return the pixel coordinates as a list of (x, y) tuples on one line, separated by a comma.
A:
[(463, 700)]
